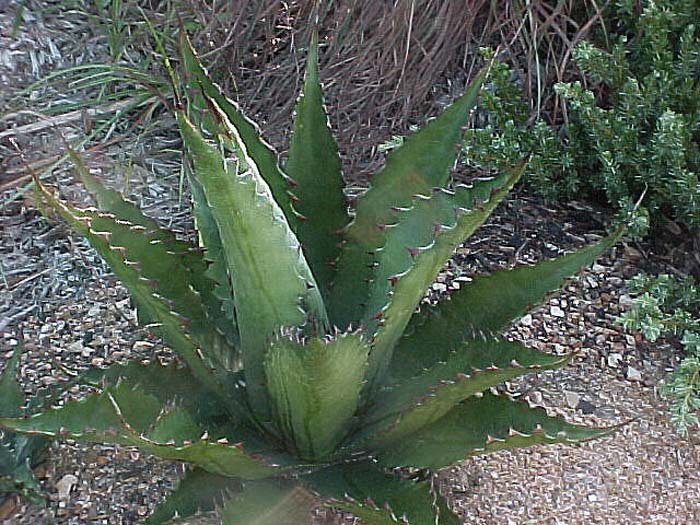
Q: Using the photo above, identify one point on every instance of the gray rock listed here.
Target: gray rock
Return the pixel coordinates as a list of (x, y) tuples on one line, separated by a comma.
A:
[(633, 374), (572, 399)]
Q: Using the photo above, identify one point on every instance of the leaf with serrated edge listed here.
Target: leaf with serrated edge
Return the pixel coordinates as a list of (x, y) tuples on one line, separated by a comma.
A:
[(314, 387), (268, 502), (314, 165), (166, 323), (125, 415), (412, 402), (472, 205), (479, 425), (198, 491), (420, 164), (487, 304), (178, 272), (270, 292), (168, 383), (379, 497), (262, 153)]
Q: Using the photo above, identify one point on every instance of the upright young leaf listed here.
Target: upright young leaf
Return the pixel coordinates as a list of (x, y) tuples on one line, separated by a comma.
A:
[(314, 387), (270, 292), (487, 304), (314, 165), (471, 206), (420, 164), (261, 152)]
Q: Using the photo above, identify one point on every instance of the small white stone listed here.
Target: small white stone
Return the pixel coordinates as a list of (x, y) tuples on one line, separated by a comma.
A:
[(633, 374), (572, 399), (65, 485), (614, 359), (556, 311)]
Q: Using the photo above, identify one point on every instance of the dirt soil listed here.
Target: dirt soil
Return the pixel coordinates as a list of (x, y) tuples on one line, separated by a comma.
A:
[(70, 313)]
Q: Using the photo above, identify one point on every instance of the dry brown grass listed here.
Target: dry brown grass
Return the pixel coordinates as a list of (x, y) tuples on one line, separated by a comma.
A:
[(385, 65)]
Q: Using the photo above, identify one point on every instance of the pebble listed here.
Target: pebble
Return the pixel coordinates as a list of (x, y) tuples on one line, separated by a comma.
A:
[(572, 399), (633, 374), (65, 485), (614, 359), (556, 311)]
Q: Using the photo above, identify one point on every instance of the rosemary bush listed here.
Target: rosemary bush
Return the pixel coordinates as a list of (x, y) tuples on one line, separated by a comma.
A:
[(665, 304), (634, 127)]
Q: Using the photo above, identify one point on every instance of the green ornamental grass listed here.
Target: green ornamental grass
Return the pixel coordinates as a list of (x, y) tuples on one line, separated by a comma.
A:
[(312, 370)]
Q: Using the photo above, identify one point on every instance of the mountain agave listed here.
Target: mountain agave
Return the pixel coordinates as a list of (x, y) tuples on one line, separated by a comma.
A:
[(313, 366)]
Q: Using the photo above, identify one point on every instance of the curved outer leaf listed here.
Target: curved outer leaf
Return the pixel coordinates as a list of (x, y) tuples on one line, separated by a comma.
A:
[(480, 425), (177, 262), (198, 491), (420, 164), (471, 206), (314, 165), (168, 383), (268, 502), (168, 324), (271, 292), (475, 366), (380, 498), (127, 416), (262, 153), (487, 304), (314, 387)]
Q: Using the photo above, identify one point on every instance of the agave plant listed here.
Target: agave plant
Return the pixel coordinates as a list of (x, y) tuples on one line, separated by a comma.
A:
[(314, 366), (18, 453)]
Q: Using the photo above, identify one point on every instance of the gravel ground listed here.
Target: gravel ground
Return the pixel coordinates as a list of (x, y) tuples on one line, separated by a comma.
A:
[(70, 313)]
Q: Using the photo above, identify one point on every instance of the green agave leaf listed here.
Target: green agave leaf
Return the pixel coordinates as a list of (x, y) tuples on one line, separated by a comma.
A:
[(259, 151), (471, 206), (314, 386), (170, 325), (480, 425), (127, 416), (268, 502), (475, 366), (420, 164), (314, 165), (180, 271), (167, 383), (271, 292), (487, 304), (198, 491), (11, 395), (380, 498), (217, 271)]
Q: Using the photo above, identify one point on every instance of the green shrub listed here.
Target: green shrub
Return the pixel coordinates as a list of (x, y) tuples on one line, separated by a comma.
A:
[(635, 128), (310, 370), (666, 304)]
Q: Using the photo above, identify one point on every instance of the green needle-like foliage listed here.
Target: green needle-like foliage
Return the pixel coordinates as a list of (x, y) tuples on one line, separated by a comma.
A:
[(309, 370)]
